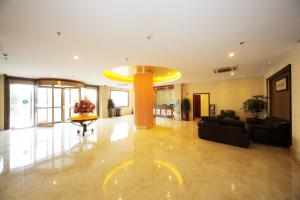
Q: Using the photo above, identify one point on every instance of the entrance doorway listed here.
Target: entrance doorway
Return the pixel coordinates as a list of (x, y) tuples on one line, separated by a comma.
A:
[(55, 104), (43, 102), (201, 103)]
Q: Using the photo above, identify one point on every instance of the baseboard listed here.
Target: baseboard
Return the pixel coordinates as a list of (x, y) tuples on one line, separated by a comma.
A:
[(295, 154)]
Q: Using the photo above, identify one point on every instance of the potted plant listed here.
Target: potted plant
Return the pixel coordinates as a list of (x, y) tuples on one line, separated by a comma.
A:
[(110, 107), (185, 109), (256, 105)]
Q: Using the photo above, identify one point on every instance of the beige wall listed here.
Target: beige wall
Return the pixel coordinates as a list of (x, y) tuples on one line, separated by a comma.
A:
[(1, 102), (104, 95), (292, 58), (226, 94)]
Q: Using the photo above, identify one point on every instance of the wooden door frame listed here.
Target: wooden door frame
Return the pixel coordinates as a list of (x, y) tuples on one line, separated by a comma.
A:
[(194, 94)]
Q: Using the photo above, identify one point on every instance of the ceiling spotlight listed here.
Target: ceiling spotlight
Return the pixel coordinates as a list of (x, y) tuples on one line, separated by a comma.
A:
[(269, 62), (231, 73), (58, 33), (76, 57), (243, 42), (231, 54)]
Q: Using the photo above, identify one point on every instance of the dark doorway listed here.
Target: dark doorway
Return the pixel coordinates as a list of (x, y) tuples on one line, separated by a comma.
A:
[(201, 102), (280, 95), (197, 107)]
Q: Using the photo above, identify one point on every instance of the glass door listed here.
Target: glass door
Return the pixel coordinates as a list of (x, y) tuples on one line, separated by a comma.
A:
[(21, 105), (71, 96), (44, 105)]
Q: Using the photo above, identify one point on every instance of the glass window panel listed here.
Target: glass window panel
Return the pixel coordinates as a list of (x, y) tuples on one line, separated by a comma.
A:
[(42, 115), (90, 94), (44, 97), (57, 97), (120, 98), (57, 114)]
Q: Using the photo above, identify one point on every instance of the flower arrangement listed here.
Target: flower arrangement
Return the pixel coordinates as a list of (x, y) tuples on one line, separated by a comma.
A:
[(84, 106)]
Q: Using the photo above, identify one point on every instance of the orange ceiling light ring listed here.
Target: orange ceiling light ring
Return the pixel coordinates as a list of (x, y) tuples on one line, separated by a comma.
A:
[(117, 77), (126, 73)]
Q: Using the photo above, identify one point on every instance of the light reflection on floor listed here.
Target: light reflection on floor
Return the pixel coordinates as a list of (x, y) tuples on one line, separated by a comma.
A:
[(168, 161)]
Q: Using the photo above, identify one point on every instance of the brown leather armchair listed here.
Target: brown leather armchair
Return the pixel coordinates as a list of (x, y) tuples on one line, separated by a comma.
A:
[(228, 114)]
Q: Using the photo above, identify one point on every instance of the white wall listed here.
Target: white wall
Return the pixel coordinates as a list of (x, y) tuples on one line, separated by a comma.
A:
[(292, 58), (1, 102), (104, 95), (226, 94)]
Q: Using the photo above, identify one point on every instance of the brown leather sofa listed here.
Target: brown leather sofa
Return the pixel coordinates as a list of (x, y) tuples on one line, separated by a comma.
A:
[(228, 114), (272, 131), (226, 131)]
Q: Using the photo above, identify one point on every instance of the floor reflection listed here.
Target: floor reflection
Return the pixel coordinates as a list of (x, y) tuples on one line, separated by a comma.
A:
[(118, 161), (120, 131), (30, 147)]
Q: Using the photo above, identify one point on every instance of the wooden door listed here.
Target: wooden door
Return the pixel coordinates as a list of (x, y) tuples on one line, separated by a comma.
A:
[(197, 106)]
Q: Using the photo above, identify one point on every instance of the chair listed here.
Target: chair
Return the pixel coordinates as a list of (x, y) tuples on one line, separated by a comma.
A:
[(228, 114)]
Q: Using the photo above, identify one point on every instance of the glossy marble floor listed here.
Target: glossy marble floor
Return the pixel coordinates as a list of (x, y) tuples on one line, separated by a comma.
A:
[(118, 162)]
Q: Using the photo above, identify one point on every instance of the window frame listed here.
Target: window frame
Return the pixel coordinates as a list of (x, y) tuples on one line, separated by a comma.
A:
[(121, 91)]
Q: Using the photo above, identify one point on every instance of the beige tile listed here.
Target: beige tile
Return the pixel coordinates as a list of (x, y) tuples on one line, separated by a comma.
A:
[(168, 161)]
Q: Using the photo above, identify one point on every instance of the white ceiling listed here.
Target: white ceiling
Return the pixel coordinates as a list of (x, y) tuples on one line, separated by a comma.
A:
[(192, 36)]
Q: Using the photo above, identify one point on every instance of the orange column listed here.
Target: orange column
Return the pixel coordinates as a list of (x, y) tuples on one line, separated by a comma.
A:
[(143, 95)]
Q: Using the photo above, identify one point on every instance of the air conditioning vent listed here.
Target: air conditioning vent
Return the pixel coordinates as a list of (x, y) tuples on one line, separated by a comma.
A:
[(225, 69)]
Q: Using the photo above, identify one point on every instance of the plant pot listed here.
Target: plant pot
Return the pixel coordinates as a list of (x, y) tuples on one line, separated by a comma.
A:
[(185, 116), (254, 121), (117, 112), (110, 113)]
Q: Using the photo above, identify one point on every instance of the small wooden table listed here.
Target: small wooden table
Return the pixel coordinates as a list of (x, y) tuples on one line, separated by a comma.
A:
[(83, 121)]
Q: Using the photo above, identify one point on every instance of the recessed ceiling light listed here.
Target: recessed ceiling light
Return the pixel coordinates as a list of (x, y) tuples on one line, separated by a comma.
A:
[(231, 73), (231, 54), (149, 37), (269, 62), (76, 57)]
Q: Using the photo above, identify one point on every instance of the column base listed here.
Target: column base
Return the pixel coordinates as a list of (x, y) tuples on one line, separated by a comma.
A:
[(143, 127)]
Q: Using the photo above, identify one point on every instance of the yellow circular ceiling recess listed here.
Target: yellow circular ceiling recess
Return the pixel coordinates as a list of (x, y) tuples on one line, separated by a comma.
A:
[(126, 73)]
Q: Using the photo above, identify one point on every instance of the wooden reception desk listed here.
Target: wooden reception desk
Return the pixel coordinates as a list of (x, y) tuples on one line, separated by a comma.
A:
[(163, 111)]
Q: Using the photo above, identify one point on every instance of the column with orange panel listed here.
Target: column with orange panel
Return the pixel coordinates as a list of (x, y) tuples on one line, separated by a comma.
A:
[(143, 95)]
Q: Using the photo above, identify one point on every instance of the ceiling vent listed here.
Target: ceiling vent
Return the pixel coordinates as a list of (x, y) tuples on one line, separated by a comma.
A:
[(225, 69)]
